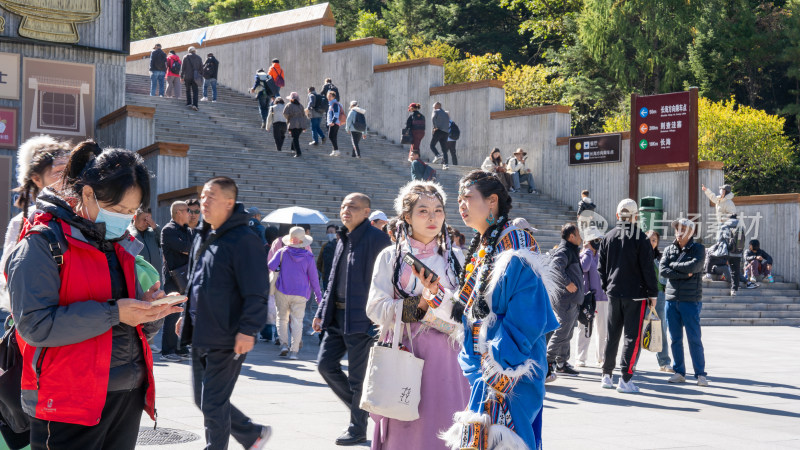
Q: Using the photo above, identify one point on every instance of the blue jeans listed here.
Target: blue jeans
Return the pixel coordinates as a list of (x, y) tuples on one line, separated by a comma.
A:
[(525, 177), (263, 106), (213, 83), (316, 129), (157, 78), (661, 308), (682, 315)]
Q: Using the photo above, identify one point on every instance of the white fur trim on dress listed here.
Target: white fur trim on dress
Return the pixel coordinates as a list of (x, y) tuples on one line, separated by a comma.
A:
[(405, 190), (26, 153), (500, 437)]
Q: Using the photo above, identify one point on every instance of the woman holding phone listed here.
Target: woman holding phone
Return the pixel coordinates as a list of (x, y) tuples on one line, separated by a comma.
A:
[(503, 303), (427, 305)]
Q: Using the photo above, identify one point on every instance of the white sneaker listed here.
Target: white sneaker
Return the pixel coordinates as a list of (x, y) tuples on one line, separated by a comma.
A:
[(444, 166), (677, 378), (627, 388), (436, 159), (667, 369), (581, 364), (607, 382), (284, 351), (293, 355), (702, 380), (266, 433), (335, 153), (550, 378), (707, 278), (204, 99), (733, 293)]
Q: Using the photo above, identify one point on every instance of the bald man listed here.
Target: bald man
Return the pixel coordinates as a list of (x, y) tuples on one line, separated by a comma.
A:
[(342, 312)]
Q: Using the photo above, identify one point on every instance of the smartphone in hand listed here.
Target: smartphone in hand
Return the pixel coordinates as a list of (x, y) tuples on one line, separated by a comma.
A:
[(412, 260)]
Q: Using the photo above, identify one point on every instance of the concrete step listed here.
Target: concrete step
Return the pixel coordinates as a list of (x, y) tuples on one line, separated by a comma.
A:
[(750, 322)]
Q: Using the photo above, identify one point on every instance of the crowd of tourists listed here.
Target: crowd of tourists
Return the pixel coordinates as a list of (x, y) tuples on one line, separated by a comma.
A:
[(91, 280)]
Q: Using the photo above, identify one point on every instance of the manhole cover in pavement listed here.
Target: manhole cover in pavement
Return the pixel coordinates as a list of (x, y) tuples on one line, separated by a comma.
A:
[(162, 436)]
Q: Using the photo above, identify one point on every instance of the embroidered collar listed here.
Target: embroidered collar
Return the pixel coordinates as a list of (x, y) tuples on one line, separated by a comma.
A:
[(418, 248)]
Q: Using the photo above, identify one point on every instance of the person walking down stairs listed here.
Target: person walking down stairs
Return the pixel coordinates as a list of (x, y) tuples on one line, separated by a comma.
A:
[(335, 116), (296, 116), (277, 122), (356, 127)]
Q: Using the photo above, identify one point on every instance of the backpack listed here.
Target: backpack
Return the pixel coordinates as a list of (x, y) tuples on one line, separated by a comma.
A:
[(342, 117), (208, 69), (175, 66), (455, 133), (587, 312), (280, 82), (360, 123), (320, 104), (736, 241)]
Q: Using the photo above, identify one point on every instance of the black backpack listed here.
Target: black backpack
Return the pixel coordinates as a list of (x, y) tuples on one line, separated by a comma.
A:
[(360, 123), (175, 67), (320, 104), (455, 133)]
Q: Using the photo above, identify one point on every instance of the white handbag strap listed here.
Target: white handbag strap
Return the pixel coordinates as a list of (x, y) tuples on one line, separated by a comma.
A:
[(398, 325)]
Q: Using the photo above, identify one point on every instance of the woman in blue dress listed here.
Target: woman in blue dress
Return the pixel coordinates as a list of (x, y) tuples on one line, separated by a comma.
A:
[(504, 306)]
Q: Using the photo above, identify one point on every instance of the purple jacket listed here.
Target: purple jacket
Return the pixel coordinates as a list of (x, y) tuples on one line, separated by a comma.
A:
[(298, 273), (591, 277)]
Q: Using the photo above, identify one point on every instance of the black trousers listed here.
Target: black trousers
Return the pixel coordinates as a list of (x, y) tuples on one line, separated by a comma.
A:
[(333, 135), (624, 315), (451, 147), (279, 133), (296, 132), (736, 271), (117, 430), (191, 92), (169, 340), (347, 387), (355, 136), (439, 137), (214, 375)]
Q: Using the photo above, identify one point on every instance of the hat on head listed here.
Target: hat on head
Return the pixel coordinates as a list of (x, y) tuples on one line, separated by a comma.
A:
[(353, 103), (627, 208), (275, 60), (520, 151), (192, 49), (591, 234), (253, 211), (157, 46), (683, 222), (727, 188), (299, 233), (412, 106), (293, 96), (378, 215)]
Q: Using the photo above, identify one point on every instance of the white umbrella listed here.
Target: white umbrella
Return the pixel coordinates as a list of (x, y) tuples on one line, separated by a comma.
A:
[(296, 214)]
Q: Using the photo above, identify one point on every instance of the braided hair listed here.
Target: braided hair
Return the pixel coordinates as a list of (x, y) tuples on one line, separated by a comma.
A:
[(35, 157), (486, 184)]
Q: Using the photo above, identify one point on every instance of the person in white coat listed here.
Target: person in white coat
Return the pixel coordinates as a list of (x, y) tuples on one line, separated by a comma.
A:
[(723, 202)]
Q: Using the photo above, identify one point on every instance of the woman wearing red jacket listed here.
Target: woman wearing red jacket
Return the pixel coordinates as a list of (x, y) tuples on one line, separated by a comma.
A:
[(87, 368)]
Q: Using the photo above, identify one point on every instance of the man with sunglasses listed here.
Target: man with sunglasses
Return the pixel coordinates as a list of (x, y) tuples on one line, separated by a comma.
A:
[(194, 212)]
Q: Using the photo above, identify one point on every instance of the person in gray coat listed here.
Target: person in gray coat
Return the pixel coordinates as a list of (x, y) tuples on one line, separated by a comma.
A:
[(682, 265), (566, 261), (146, 231), (441, 129)]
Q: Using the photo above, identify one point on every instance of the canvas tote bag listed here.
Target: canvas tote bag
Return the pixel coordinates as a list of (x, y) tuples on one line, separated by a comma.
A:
[(651, 334), (392, 386)]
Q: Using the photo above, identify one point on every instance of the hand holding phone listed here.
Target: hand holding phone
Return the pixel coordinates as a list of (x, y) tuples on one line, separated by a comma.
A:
[(412, 260)]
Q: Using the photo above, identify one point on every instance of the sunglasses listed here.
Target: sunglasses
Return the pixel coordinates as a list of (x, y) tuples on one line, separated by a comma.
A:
[(194, 211)]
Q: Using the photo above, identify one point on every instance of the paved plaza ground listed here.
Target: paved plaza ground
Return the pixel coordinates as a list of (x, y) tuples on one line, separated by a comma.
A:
[(753, 401)]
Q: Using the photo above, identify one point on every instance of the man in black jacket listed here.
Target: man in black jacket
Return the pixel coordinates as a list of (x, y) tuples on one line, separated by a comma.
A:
[(342, 312), (192, 75), (682, 265), (210, 69), (626, 273), (176, 241), (158, 70), (227, 306), (566, 263)]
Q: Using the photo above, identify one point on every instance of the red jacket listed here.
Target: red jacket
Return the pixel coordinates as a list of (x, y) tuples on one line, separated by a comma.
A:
[(171, 58), (69, 383)]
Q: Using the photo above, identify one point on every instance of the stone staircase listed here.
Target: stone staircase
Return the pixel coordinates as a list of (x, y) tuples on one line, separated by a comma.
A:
[(224, 138)]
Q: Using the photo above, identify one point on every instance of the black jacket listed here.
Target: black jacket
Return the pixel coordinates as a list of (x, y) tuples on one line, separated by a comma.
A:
[(586, 204), (228, 284), (210, 68), (676, 265), (750, 256), (361, 247), (415, 121), (566, 261), (190, 64), (626, 263), (158, 61), (176, 241)]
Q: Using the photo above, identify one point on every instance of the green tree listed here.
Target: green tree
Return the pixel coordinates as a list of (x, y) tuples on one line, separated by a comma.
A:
[(370, 25), (528, 86), (546, 21), (151, 18), (791, 57)]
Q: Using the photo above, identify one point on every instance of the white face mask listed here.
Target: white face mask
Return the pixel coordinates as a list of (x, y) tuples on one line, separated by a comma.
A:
[(331, 236)]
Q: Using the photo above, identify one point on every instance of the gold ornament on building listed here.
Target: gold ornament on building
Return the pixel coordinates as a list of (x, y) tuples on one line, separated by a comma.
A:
[(52, 20), (2, 24)]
